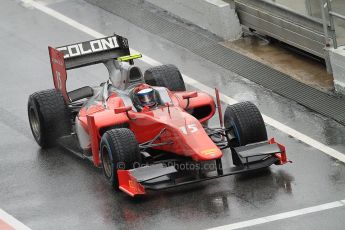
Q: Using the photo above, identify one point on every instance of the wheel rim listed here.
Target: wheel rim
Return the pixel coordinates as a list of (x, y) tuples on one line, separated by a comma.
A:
[(235, 132), (35, 123), (106, 161)]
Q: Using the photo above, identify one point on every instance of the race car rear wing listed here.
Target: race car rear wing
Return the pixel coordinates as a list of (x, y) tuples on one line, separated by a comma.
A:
[(94, 51), (83, 54)]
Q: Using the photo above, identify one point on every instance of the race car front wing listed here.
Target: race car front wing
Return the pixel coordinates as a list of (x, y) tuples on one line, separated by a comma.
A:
[(159, 176)]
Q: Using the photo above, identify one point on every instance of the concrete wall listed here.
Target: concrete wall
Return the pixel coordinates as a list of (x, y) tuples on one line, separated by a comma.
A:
[(216, 16), (337, 58)]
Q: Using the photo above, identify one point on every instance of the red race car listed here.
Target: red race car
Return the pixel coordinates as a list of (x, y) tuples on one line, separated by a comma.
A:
[(145, 131)]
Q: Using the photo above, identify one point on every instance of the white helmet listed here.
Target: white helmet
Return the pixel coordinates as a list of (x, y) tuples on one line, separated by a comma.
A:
[(147, 97)]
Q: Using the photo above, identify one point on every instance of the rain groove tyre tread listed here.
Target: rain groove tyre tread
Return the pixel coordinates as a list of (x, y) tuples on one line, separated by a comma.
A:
[(54, 116), (124, 148), (247, 119), (166, 76)]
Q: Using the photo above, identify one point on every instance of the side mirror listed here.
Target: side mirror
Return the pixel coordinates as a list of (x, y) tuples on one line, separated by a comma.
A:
[(190, 95), (122, 109)]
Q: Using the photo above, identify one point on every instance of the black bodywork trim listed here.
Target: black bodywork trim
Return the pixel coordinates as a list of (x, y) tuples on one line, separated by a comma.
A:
[(172, 183)]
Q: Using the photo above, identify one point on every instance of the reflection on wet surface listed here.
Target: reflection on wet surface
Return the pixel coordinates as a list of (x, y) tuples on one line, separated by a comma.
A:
[(272, 183)]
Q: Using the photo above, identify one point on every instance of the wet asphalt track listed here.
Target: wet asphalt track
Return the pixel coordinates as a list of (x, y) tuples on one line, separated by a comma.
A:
[(53, 189)]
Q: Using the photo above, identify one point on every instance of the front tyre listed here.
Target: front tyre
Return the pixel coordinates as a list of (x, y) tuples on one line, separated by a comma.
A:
[(246, 123), (119, 150), (49, 117)]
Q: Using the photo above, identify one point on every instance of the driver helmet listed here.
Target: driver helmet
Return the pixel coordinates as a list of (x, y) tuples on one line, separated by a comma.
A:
[(147, 97)]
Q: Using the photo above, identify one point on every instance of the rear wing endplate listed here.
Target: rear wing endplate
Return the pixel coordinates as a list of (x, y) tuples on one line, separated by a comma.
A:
[(83, 54)]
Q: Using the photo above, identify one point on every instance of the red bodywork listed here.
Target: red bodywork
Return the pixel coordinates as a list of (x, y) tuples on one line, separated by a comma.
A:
[(128, 183), (59, 72), (186, 133)]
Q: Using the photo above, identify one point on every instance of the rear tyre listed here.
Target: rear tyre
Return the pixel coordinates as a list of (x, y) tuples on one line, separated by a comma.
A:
[(246, 123), (119, 150), (49, 117), (166, 76)]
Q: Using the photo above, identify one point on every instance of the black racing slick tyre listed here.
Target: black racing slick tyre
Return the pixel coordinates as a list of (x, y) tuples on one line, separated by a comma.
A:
[(245, 121), (166, 76), (49, 117), (119, 150)]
